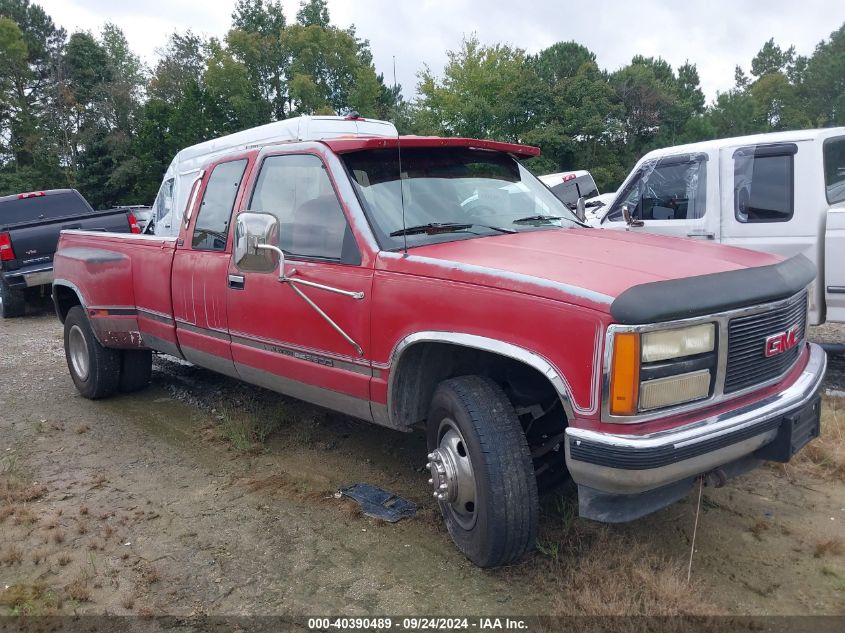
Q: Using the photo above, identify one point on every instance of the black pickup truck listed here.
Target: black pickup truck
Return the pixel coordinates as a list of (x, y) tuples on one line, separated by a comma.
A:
[(30, 224)]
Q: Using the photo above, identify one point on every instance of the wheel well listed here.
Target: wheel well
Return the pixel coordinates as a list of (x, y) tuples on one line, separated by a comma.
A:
[(425, 365), (537, 403), (64, 299)]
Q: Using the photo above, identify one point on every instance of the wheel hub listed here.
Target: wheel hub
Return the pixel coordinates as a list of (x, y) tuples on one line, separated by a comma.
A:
[(78, 351), (452, 477)]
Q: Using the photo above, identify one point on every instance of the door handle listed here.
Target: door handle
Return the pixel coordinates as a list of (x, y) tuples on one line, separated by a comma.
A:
[(705, 234), (237, 282)]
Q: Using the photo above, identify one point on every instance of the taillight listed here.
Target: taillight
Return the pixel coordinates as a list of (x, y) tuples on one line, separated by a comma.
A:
[(568, 177), (7, 253), (133, 223)]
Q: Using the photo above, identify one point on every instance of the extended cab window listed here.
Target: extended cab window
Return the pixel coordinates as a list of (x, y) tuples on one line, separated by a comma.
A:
[(671, 188), (764, 183), (298, 191), (834, 169), (212, 227)]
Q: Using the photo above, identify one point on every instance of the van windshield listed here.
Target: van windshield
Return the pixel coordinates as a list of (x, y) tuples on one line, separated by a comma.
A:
[(450, 194)]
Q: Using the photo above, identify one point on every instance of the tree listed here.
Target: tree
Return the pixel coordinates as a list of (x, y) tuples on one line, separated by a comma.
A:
[(772, 59), (486, 91), (313, 13), (822, 81), (255, 40)]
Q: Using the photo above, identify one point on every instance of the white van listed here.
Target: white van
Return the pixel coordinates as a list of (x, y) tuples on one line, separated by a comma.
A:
[(186, 167), (568, 186), (782, 193)]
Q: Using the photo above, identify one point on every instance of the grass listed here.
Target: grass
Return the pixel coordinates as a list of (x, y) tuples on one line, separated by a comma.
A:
[(831, 547), (588, 569)]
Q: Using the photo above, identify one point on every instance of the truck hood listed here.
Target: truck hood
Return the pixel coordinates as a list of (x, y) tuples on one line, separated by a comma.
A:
[(581, 266)]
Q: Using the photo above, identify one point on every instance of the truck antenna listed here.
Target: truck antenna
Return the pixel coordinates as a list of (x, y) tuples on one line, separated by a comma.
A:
[(399, 154)]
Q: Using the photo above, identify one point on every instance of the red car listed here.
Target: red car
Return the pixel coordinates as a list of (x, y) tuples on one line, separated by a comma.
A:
[(465, 297)]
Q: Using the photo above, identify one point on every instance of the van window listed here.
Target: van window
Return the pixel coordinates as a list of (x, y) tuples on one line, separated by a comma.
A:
[(581, 187), (163, 204), (671, 188), (834, 169), (212, 228), (297, 190), (763, 186)]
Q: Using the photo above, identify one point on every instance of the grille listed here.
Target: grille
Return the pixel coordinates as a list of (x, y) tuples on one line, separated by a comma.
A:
[(747, 362)]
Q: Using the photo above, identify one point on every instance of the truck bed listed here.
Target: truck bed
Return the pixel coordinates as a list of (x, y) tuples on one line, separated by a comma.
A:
[(124, 282)]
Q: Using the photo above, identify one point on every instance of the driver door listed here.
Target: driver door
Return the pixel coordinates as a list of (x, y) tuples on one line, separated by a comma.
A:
[(674, 195), (279, 340)]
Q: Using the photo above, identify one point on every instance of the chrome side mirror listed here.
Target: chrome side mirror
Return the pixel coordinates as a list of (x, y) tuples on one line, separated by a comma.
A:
[(256, 239), (630, 220), (581, 209)]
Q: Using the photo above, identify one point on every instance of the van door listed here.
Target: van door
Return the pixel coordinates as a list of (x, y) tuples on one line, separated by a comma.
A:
[(760, 209), (670, 196), (834, 239)]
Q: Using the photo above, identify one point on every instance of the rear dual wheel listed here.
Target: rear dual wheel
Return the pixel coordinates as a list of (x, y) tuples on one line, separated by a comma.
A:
[(97, 371), (481, 470)]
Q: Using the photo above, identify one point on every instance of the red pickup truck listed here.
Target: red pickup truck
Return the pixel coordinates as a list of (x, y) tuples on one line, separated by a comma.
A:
[(443, 285)]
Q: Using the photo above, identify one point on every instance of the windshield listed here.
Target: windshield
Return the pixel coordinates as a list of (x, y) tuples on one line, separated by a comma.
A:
[(472, 192)]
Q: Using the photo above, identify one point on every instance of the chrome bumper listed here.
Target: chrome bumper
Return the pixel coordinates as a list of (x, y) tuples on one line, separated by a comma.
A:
[(30, 278), (631, 464)]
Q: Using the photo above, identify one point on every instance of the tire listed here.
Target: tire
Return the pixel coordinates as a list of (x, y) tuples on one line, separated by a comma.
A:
[(136, 369), (12, 301), (95, 369), (494, 519)]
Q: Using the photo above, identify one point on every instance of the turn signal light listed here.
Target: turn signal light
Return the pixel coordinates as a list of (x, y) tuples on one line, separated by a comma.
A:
[(7, 253), (625, 374)]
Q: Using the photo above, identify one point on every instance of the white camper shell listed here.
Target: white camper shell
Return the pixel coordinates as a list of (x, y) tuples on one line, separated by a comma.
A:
[(781, 193), (187, 165)]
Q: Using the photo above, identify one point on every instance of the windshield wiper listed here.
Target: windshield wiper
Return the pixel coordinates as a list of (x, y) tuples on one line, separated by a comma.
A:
[(433, 228), (548, 219)]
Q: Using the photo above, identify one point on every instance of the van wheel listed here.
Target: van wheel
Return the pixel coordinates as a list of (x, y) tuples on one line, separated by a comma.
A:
[(12, 301), (481, 471), (136, 369), (95, 369)]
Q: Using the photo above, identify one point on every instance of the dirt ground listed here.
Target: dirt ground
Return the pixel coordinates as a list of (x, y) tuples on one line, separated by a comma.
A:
[(203, 495)]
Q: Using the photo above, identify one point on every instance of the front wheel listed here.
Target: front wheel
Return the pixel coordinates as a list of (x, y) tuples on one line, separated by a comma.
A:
[(95, 369), (481, 471)]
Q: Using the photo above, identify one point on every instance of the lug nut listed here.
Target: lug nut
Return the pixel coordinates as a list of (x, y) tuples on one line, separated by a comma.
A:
[(436, 495), (431, 455), (428, 465), (444, 486), (431, 481)]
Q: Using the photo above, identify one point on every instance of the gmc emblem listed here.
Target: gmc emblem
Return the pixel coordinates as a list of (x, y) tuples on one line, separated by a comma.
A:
[(782, 341)]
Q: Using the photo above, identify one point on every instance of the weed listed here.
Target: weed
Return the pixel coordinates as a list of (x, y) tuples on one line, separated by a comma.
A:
[(758, 528), (58, 537), (83, 428), (834, 546), (78, 590), (82, 527), (83, 510), (64, 559), (128, 603), (149, 574), (11, 556)]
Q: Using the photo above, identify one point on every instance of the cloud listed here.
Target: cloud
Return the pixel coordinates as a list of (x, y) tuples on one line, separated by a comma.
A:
[(715, 35)]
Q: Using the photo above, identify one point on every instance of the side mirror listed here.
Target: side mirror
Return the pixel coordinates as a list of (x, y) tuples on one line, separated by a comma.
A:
[(256, 249), (630, 220), (581, 209)]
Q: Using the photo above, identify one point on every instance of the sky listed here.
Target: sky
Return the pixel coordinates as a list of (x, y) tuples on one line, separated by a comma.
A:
[(715, 35)]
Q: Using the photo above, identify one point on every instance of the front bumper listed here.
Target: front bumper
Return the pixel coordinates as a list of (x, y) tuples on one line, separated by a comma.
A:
[(623, 465), (30, 276)]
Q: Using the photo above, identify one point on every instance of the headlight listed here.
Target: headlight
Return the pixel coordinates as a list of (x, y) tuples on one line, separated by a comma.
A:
[(677, 343), (644, 376)]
